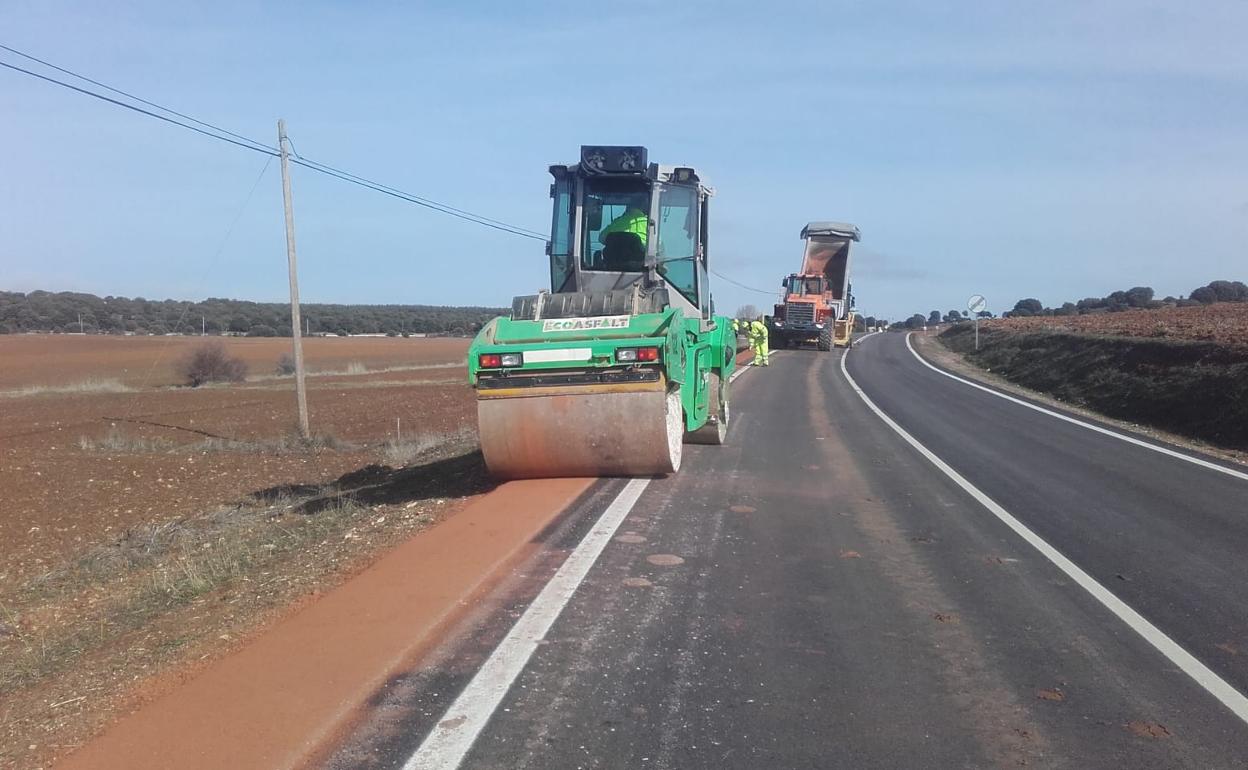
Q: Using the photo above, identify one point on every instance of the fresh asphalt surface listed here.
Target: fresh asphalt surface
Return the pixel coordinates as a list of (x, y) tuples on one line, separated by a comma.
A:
[(842, 603)]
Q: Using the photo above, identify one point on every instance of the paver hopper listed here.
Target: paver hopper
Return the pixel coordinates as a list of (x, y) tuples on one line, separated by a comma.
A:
[(623, 359)]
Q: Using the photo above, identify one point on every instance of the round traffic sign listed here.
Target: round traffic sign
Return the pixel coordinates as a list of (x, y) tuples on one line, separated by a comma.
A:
[(976, 303)]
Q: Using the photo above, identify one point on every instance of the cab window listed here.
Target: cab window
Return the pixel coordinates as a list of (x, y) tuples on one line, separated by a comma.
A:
[(616, 225), (677, 246)]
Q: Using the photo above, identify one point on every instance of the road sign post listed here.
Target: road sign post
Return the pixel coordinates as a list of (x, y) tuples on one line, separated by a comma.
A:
[(976, 305)]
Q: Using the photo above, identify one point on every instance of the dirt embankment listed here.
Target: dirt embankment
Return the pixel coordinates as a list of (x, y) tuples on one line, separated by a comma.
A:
[(149, 528), (1197, 389)]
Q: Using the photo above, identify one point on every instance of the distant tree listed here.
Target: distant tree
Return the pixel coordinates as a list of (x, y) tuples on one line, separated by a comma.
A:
[(747, 311), (1221, 291), (933, 317), (1067, 308), (262, 330), (1139, 296), (984, 314), (1230, 291), (1204, 295), (1090, 304), (1028, 307), (916, 321), (870, 322), (211, 362), (953, 316)]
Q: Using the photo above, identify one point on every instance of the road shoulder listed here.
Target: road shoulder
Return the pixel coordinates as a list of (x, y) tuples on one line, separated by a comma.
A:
[(935, 353), (273, 702)]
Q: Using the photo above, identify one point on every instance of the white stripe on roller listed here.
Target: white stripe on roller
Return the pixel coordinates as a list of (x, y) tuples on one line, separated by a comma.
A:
[(558, 354)]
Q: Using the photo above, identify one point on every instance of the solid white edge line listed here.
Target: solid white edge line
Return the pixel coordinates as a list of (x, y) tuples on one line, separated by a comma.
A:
[(455, 733), (1202, 674), (1122, 437)]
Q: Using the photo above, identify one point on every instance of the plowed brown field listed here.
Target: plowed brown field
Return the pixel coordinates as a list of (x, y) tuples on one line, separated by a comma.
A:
[(61, 494), (1225, 323), (32, 360)]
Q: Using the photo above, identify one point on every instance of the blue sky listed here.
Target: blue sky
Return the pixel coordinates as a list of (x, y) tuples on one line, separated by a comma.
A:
[(1055, 150)]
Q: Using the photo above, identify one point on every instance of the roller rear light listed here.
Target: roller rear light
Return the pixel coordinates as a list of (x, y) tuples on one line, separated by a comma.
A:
[(636, 355), (500, 360)]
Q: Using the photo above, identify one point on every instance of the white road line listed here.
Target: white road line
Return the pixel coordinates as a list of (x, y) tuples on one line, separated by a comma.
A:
[(449, 742), (1105, 431), (451, 739), (1202, 674)]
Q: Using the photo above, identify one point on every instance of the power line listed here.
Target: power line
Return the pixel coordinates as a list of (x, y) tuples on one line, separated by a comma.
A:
[(434, 205), (139, 99), (251, 144), (208, 129), (741, 285), (139, 110)]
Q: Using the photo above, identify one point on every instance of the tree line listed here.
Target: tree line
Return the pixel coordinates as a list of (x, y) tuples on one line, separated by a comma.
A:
[(1135, 297), (1127, 299), (67, 312)]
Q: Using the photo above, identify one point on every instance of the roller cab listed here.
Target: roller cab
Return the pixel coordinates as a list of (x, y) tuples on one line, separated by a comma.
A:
[(622, 361)]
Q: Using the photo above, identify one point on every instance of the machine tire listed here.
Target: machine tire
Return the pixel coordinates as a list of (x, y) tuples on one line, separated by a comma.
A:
[(825, 338), (715, 431)]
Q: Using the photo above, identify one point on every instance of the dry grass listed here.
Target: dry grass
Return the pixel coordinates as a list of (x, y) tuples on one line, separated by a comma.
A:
[(151, 571), (74, 639), (356, 369), (116, 440), (93, 385), (400, 453)]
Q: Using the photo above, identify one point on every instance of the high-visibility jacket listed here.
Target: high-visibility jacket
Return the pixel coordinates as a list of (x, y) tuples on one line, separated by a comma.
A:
[(758, 331), (633, 220)]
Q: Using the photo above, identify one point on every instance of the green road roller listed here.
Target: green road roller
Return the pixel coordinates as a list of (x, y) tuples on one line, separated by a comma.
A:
[(623, 360)]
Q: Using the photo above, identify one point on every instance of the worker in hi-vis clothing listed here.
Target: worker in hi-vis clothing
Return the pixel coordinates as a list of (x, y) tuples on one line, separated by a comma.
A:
[(758, 342), (633, 220)]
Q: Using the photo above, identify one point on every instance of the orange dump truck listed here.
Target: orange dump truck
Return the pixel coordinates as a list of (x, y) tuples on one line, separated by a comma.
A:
[(818, 305)]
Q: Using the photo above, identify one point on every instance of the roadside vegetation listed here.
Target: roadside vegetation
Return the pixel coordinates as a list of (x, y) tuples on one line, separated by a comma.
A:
[(75, 637), (211, 362), (77, 312), (1188, 386), (1125, 300)]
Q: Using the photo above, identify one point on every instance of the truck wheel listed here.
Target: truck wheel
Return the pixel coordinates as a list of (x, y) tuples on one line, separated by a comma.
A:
[(825, 338)]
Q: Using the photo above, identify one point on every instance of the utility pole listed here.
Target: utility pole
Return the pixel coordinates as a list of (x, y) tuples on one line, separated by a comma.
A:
[(203, 326), (301, 393)]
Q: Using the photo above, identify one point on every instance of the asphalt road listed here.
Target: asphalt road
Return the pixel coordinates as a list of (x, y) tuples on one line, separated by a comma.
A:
[(838, 601)]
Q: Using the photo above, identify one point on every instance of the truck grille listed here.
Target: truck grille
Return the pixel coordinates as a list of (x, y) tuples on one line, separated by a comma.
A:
[(799, 313)]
